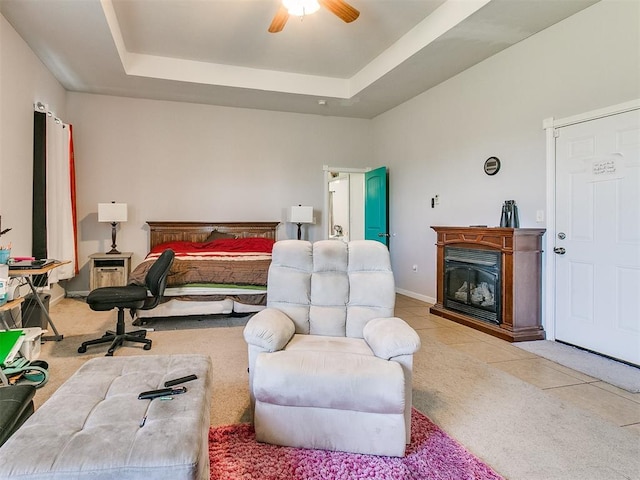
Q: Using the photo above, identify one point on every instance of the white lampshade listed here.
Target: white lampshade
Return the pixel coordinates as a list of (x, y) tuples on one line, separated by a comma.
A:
[(112, 212), (301, 214)]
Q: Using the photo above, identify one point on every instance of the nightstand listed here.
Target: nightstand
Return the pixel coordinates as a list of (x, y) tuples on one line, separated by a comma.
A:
[(109, 269)]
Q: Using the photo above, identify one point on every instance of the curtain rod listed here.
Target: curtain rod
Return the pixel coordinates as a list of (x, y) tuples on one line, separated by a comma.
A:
[(44, 108)]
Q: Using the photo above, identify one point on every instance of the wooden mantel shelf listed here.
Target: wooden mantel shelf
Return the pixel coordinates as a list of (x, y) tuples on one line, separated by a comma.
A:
[(521, 278)]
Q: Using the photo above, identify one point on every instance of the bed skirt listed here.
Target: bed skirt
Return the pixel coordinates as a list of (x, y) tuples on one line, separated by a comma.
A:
[(180, 308)]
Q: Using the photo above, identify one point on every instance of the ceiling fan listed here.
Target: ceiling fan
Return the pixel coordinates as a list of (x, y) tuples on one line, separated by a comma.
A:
[(339, 8)]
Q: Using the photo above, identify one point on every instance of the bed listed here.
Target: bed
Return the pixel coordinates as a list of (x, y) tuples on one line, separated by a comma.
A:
[(219, 269)]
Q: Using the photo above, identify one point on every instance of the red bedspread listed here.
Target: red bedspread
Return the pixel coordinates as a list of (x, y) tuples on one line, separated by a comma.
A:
[(241, 261)]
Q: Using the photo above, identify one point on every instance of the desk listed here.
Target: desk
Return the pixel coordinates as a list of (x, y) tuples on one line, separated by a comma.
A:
[(8, 307), (27, 275)]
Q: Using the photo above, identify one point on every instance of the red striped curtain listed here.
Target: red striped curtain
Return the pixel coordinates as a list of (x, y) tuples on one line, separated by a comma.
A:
[(72, 176)]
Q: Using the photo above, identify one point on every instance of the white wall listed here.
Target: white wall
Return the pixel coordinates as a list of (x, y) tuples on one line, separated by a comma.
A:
[(181, 161), (24, 80), (437, 142)]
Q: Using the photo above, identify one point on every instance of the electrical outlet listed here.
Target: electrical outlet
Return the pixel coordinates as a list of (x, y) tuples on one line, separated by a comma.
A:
[(539, 216)]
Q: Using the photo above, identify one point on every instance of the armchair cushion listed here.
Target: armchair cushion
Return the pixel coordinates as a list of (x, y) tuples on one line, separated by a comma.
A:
[(312, 378), (391, 337), (269, 329), (323, 343), (352, 284)]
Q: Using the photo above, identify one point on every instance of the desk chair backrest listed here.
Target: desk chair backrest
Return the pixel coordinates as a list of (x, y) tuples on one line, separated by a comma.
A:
[(156, 279)]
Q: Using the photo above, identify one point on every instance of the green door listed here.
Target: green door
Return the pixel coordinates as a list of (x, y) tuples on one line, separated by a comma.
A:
[(376, 221)]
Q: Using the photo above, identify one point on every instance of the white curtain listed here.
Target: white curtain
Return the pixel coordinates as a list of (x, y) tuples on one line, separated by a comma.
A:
[(60, 220)]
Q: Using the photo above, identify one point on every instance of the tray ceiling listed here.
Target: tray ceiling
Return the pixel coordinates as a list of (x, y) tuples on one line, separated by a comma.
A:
[(219, 51)]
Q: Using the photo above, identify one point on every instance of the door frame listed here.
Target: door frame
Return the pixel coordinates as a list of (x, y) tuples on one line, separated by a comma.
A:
[(327, 171), (551, 125)]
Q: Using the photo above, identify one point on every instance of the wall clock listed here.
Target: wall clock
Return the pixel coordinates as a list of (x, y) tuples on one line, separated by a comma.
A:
[(492, 165)]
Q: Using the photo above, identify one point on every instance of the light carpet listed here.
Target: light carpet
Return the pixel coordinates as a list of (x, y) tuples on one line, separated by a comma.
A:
[(432, 454), (616, 373), (521, 431)]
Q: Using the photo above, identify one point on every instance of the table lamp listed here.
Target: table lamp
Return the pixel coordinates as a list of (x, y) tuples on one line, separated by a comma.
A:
[(112, 213), (300, 215)]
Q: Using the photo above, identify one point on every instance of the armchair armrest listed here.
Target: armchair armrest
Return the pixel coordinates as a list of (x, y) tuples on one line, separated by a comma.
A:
[(391, 337), (270, 329)]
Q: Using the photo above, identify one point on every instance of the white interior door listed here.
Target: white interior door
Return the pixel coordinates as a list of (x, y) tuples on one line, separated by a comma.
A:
[(597, 244)]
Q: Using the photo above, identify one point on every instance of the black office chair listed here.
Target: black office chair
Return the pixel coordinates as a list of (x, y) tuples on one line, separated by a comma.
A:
[(16, 405), (133, 297)]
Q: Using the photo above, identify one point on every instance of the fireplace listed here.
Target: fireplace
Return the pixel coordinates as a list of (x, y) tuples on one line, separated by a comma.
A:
[(489, 278), (472, 282)]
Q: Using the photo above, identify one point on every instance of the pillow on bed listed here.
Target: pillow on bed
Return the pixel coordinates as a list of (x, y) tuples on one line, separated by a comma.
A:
[(215, 235), (238, 245)]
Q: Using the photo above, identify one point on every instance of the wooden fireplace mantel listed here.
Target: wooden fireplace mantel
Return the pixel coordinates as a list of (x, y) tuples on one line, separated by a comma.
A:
[(521, 278)]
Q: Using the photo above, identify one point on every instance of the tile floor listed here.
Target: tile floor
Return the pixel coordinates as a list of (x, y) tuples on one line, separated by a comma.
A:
[(618, 406)]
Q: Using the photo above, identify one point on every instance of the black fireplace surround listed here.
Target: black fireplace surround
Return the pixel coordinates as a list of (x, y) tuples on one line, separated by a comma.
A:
[(472, 282)]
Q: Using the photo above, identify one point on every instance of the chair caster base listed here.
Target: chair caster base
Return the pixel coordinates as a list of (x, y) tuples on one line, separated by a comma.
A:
[(117, 341)]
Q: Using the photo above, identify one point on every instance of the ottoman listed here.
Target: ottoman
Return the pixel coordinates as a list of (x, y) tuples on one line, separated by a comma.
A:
[(92, 426)]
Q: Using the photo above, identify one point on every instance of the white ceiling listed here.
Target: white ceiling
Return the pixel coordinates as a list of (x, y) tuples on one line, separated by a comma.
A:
[(219, 51)]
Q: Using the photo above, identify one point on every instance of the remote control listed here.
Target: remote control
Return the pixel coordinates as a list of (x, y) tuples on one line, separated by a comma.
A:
[(151, 394), (171, 383)]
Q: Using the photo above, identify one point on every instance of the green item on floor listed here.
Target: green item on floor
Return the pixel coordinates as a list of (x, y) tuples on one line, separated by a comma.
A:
[(9, 345)]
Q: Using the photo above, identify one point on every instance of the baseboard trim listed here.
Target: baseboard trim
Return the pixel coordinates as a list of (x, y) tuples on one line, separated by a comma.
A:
[(415, 295), (408, 293)]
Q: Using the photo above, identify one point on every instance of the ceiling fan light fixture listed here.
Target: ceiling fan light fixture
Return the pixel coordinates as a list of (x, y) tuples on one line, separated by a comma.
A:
[(300, 8)]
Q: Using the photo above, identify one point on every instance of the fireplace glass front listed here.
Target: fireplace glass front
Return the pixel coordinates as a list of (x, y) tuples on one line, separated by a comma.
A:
[(472, 282)]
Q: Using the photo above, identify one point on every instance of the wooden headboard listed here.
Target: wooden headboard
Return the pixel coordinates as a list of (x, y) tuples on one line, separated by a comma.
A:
[(162, 232)]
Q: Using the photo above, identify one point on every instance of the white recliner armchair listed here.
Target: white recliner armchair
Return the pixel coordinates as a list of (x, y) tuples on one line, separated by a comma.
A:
[(330, 367)]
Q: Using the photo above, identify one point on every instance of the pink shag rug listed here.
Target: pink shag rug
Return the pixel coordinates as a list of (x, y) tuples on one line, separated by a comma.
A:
[(234, 454)]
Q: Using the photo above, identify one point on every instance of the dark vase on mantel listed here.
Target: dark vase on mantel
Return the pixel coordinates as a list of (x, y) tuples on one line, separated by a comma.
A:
[(514, 221), (504, 219), (509, 217)]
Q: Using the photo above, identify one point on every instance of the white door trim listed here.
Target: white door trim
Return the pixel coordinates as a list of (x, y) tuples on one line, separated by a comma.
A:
[(550, 126)]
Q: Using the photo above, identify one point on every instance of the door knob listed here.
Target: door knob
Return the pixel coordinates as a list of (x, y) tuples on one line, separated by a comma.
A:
[(559, 250)]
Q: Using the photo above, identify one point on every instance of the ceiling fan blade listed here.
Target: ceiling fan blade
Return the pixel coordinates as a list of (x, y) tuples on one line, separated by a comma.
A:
[(279, 20), (340, 8)]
